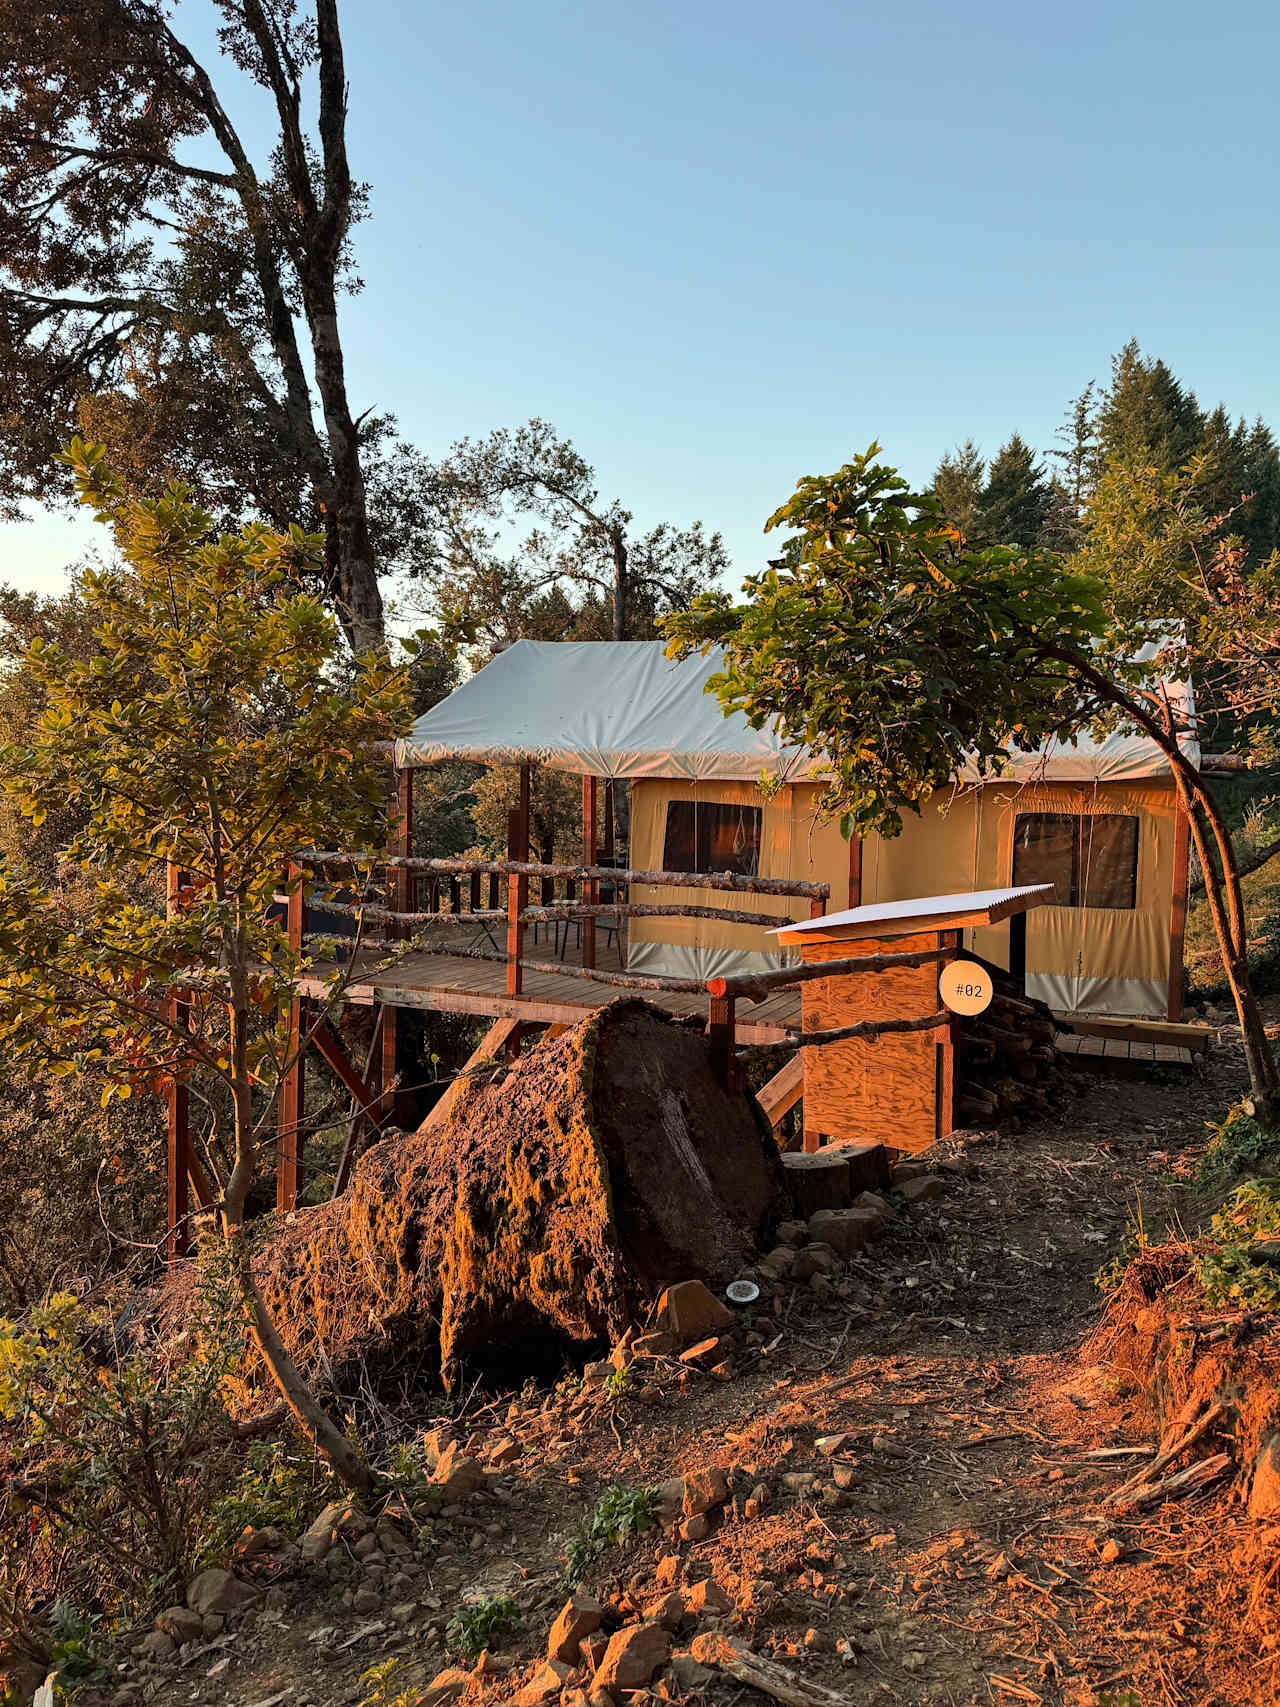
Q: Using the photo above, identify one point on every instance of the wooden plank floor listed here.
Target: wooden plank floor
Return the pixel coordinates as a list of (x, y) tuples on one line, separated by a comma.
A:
[(1103, 1052), (453, 984)]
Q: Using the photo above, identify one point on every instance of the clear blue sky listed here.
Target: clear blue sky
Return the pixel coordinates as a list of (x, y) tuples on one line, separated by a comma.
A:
[(722, 245)]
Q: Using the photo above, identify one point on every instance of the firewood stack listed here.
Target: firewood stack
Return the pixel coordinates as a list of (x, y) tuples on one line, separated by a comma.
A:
[(1006, 1066)]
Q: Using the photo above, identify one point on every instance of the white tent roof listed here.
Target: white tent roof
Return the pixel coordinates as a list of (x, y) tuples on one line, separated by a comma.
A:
[(624, 709)]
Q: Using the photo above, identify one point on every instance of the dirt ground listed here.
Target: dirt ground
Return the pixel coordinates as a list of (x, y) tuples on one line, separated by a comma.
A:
[(950, 1550)]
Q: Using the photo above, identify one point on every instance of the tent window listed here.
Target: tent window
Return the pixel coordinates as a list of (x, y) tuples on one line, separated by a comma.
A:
[(706, 837), (1091, 860)]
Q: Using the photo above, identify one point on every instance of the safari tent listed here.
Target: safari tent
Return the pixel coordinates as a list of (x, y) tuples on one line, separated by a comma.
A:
[(1098, 819)]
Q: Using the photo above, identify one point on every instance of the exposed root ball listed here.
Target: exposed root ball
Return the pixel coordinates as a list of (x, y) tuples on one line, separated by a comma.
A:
[(565, 1192)]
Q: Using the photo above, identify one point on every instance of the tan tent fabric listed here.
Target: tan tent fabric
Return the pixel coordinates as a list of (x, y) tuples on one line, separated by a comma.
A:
[(1099, 959)]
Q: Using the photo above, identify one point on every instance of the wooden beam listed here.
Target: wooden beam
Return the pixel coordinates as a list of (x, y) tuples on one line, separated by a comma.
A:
[(855, 870), (783, 1091), (492, 1045), (329, 1044), (1178, 911), (721, 1032), (591, 890), (291, 1096), (361, 1116), (401, 892), (517, 885)]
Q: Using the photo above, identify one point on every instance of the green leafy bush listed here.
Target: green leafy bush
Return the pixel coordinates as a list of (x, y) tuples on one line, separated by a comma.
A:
[(1238, 1145), (1230, 1271), (619, 1514), (482, 1625), (278, 1485)]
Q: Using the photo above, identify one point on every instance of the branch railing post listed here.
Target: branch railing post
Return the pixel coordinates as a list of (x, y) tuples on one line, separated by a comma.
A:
[(721, 1033), (590, 889), (518, 883), (400, 880)]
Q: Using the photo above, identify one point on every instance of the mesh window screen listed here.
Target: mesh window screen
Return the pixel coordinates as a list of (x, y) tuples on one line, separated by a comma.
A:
[(1091, 860), (709, 837)]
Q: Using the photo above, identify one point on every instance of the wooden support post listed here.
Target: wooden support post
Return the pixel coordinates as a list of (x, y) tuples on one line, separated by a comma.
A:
[(518, 887), (855, 870), (1018, 950), (590, 889), (292, 1092), (721, 1031), (608, 821), (347, 1160), (180, 1158), (1178, 911), (400, 846)]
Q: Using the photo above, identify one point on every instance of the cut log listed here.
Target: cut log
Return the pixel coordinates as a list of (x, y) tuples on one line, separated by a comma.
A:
[(783, 1090), (558, 1199), (738, 1661)]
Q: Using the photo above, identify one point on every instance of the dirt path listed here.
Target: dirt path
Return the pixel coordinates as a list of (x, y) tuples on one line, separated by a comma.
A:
[(930, 1533)]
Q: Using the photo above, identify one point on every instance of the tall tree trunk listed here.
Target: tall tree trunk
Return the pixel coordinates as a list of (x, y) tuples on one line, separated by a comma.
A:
[(618, 547)]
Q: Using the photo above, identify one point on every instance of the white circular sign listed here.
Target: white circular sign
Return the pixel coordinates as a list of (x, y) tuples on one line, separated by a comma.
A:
[(965, 987)]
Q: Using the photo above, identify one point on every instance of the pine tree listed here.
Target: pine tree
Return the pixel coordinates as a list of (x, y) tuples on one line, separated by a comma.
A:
[(1017, 498), (957, 485), (1146, 415)]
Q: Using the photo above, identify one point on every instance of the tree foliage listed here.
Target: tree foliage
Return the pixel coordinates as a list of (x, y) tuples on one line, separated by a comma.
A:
[(907, 658), (580, 571), (215, 728), (162, 287)]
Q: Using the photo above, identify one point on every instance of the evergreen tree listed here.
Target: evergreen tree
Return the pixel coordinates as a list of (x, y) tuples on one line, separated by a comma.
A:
[(1017, 498), (957, 485), (1146, 415)]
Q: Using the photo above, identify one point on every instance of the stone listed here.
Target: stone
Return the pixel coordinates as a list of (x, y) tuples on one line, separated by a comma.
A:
[(872, 1200), (654, 1345), (705, 1352), (793, 1232), (813, 1259), (868, 1166), (595, 1374), (688, 1673), (695, 1528), (845, 1230), (580, 1615), (667, 1569), (1112, 1551), (671, 1498), (180, 1624), (668, 1611), (1264, 1490), (545, 1684), (457, 1474), (367, 1600), (575, 1698), (704, 1490), (445, 1687), (594, 1647), (364, 1545), (922, 1189), (254, 1543), (218, 1591), (688, 1312), (900, 1172), (706, 1597), (339, 1517), (504, 1451), (780, 1260), (817, 1181), (632, 1657)]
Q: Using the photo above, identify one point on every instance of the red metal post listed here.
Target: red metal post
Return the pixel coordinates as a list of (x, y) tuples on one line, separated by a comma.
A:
[(591, 889), (292, 1093)]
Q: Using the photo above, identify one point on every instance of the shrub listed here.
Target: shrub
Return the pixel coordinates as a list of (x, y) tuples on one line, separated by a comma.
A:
[(474, 1628), (1237, 1145), (110, 1461), (1228, 1271), (619, 1514)]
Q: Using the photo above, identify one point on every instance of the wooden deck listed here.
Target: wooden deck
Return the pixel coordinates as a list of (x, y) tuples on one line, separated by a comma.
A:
[(1123, 1054), (453, 984)]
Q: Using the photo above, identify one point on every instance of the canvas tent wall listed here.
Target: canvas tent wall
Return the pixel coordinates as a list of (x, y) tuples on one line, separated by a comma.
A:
[(1097, 816)]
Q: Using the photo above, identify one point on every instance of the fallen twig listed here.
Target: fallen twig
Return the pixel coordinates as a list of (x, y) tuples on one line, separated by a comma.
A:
[(1145, 1474), (713, 1649)]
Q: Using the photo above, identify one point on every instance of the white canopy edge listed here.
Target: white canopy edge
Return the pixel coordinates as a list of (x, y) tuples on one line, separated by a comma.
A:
[(919, 909), (623, 709)]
